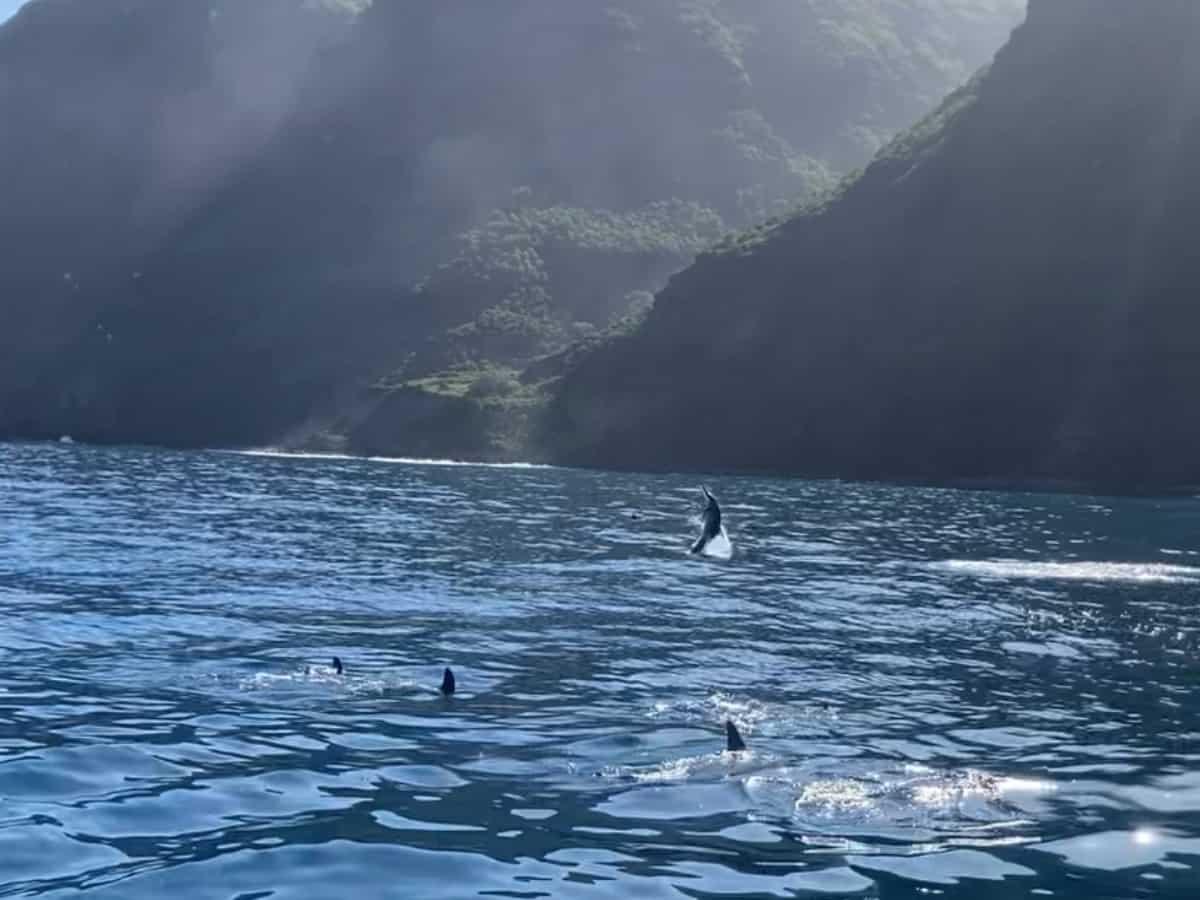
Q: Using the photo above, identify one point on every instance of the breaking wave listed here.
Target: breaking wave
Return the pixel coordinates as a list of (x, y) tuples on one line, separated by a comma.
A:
[(393, 460), (1136, 573)]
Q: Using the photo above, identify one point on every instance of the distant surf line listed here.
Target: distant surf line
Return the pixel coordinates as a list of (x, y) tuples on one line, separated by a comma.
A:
[(268, 453), (1129, 572)]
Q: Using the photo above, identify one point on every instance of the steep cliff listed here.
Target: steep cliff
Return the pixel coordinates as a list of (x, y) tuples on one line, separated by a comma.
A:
[(1008, 291), (222, 219)]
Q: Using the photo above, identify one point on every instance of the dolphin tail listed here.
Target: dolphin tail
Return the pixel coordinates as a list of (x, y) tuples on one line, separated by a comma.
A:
[(733, 739)]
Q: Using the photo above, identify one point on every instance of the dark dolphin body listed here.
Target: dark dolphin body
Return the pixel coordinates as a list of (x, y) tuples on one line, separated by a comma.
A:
[(733, 739), (712, 522)]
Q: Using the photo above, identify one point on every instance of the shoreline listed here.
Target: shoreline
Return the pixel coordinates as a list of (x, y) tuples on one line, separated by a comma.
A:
[(998, 484)]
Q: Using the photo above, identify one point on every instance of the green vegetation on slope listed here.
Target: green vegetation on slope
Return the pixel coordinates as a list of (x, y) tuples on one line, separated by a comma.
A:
[(226, 222), (1006, 292)]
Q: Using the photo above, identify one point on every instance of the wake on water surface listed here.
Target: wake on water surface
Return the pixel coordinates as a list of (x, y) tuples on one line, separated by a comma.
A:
[(843, 799)]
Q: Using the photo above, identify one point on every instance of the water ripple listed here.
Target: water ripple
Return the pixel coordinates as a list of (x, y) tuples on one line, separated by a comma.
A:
[(941, 690)]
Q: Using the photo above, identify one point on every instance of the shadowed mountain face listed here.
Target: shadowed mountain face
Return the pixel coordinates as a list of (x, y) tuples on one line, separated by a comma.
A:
[(1008, 291), (220, 218), (123, 120)]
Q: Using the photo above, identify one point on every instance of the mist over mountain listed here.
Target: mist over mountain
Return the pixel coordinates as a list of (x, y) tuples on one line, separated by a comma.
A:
[(228, 223), (1007, 292)]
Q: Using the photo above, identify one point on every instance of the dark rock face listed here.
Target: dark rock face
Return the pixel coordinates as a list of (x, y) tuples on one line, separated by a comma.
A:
[(1007, 292), (221, 218)]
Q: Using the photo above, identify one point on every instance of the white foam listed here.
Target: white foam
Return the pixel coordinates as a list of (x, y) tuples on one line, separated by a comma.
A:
[(719, 547), (318, 676), (1137, 573), (392, 460), (914, 796), (744, 713), (715, 709), (709, 767)]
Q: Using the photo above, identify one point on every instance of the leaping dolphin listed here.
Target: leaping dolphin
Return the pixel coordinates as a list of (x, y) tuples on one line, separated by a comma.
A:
[(712, 522)]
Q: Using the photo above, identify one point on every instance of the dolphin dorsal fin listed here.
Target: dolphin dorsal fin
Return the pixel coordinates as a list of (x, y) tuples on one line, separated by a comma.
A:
[(448, 686), (733, 739), (338, 668)]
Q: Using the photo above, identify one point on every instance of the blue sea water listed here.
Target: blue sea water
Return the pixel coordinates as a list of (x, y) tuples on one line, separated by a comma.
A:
[(945, 693)]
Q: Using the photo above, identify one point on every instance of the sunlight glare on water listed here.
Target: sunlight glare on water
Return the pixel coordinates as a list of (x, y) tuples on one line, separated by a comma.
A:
[(944, 693)]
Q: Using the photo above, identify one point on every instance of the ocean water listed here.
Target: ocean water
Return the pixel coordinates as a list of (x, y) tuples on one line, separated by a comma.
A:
[(944, 693)]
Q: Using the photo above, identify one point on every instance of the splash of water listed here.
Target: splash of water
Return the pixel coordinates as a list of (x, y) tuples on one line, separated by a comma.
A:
[(719, 547)]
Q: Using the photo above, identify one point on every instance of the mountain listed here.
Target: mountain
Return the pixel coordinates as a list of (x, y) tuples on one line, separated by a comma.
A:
[(1008, 291), (124, 120), (233, 223)]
